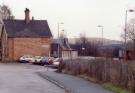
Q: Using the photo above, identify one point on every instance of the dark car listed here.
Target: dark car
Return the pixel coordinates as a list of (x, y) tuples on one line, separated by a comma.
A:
[(47, 61)]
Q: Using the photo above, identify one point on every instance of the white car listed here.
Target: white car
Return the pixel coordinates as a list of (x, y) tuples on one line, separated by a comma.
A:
[(56, 62), (38, 58), (27, 58)]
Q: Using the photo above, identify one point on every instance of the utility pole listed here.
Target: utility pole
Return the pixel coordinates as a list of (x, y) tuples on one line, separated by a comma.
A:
[(59, 39)]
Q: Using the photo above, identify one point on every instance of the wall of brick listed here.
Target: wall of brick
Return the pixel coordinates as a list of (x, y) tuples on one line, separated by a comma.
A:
[(10, 49), (28, 46)]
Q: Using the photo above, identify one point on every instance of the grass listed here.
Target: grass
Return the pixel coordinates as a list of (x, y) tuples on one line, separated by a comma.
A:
[(112, 87), (115, 88)]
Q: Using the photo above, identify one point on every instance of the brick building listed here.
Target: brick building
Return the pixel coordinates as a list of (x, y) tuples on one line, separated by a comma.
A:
[(25, 37)]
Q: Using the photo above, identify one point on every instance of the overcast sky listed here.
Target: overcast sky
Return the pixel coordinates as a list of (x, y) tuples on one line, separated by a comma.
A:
[(78, 16)]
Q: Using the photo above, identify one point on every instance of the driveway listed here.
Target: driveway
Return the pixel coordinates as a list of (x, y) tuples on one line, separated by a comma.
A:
[(22, 78)]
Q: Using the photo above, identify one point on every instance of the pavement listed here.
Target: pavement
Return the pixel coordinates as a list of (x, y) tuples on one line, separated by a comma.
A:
[(23, 78), (71, 83)]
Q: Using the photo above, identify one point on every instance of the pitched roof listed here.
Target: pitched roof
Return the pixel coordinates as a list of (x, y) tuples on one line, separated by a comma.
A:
[(19, 28)]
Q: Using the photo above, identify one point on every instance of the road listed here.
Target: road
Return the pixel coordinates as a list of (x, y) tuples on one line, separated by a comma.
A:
[(72, 83), (22, 78)]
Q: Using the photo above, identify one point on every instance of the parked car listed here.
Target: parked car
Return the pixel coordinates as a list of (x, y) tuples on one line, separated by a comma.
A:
[(38, 58), (47, 61), (27, 58), (56, 62)]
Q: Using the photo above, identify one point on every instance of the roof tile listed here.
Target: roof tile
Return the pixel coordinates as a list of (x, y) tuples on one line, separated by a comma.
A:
[(19, 28)]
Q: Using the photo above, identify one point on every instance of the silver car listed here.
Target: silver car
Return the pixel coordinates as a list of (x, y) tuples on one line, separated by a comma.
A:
[(27, 58)]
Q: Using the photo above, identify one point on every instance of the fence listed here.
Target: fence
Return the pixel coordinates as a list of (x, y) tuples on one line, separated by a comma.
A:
[(116, 72)]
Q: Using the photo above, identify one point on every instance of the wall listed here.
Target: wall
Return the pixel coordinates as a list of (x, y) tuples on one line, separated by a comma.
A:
[(28, 46), (10, 55)]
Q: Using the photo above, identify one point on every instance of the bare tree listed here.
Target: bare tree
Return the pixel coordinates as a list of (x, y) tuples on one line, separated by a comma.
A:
[(130, 34), (85, 47), (5, 12), (131, 30)]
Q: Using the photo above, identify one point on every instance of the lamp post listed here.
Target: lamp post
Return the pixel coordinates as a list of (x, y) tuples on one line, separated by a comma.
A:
[(126, 14), (59, 40), (100, 26)]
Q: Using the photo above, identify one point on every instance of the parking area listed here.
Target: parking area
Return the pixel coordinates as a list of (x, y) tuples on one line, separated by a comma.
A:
[(22, 78)]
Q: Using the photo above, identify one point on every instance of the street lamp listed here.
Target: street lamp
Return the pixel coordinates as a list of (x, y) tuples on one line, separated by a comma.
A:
[(59, 40), (102, 31), (130, 10)]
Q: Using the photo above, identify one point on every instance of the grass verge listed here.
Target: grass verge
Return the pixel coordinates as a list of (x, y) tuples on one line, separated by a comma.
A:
[(114, 88), (109, 86)]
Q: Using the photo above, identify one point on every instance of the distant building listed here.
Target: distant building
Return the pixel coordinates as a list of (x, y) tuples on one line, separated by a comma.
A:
[(111, 50), (64, 50), (25, 37)]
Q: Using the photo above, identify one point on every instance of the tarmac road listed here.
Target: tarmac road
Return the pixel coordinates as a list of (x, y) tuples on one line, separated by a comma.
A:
[(22, 78)]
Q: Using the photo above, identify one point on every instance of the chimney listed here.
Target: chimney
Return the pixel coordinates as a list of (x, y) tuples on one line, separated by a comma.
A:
[(27, 15)]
